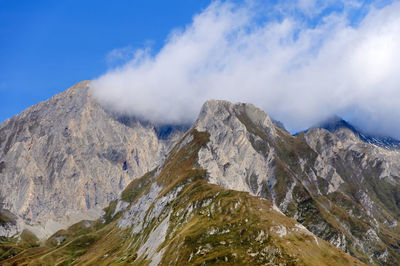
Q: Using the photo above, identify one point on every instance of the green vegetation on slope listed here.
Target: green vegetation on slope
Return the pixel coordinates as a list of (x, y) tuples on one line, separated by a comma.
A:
[(207, 225)]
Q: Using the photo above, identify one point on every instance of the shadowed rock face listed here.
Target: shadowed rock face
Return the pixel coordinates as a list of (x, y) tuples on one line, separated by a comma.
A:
[(65, 159)]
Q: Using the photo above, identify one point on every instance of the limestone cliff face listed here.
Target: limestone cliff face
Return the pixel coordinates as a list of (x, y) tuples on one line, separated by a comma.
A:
[(231, 157), (341, 188), (65, 159), (173, 216)]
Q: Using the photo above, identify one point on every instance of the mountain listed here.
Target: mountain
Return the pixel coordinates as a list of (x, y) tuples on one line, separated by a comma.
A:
[(64, 160), (334, 123), (340, 188), (235, 188), (173, 216)]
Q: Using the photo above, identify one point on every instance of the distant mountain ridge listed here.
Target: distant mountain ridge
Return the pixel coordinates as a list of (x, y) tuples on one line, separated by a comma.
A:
[(234, 188), (335, 122)]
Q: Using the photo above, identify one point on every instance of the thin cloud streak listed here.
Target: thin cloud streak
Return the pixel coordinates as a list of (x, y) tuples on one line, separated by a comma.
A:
[(298, 72)]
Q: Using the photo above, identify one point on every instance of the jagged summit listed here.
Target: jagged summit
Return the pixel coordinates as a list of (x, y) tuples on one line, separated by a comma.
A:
[(68, 157), (172, 215), (65, 159), (218, 112), (304, 175), (335, 123)]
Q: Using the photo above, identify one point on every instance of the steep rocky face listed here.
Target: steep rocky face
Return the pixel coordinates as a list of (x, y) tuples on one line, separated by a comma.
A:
[(65, 159), (369, 196), (172, 216), (235, 158), (341, 188)]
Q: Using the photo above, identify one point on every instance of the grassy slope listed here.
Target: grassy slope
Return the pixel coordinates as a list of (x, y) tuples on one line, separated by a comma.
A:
[(329, 216), (223, 227)]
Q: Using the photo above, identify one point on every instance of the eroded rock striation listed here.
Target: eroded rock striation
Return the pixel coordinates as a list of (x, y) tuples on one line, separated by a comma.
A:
[(191, 198), (64, 160), (342, 188), (173, 216)]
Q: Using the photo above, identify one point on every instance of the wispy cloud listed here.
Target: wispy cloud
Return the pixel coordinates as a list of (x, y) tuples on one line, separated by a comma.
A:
[(123, 55), (299, 62), (118, 54)]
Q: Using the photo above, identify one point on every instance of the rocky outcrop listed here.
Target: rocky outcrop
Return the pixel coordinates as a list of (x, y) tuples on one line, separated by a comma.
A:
[(231, 157), (340, 187), (64, 160), (172, 216)]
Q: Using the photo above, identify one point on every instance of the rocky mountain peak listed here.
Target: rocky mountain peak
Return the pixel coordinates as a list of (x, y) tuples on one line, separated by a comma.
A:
[(337, 125), (344, 129), (313, 177), (240, 151), (65, 159), (172, 216), (333, 123), (216, 113)]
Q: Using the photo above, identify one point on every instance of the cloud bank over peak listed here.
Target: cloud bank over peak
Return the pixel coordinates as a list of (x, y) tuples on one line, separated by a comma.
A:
[(299, 62)]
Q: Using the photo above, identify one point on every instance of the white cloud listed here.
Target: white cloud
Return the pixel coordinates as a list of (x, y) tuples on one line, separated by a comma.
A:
[(118, 54), (298, 72)]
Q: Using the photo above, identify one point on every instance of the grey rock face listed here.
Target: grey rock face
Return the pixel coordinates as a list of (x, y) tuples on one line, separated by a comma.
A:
[(335, 123), (341, 188), (142, 215), (8, 224), (65, 159), (230, 157)]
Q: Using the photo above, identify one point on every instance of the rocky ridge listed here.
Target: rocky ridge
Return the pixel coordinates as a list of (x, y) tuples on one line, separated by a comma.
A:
[(338, 186), (335, 123), (64, 160), (172, 216)]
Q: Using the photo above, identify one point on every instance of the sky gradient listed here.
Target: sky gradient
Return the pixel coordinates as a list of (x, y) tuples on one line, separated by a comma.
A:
[(47, 46), (300, 61)]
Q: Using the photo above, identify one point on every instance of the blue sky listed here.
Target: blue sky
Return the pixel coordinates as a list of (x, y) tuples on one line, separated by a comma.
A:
[(47, 46), (299, 60)]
